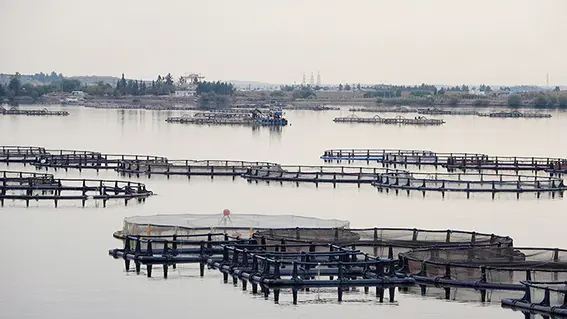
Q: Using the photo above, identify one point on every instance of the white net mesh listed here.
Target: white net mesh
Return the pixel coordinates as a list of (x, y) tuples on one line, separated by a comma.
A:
[(232, 224)]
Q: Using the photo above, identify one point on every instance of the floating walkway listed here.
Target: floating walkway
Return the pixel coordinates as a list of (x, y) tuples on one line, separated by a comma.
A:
[(188, 167), (451, 161), (297, 269), (169, 251), (469, 183), (483, 268), (315, 174), (541, 297), (43, 112), (40, 187), (516, 114), (384, 110), (437, 111), (398, 120)]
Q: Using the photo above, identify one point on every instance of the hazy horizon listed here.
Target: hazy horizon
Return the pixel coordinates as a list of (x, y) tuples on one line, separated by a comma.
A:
[(504, 42)]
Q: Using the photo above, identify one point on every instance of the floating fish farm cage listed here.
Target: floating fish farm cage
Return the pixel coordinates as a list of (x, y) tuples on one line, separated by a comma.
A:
[(451, 161), (89, 160), (273, 259), (43, 112), (541, 297), (437, 111), (384, 110), (27, 187), (20, 154), (470, 183), (288, 253), (312, 108), (315, 174), (240, 225), (188, 167), (483, 267), (253, 118), (398, 120), (383, 242), (516, 114), (387, 177)]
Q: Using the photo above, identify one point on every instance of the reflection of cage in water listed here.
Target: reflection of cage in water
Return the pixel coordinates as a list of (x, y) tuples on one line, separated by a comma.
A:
[(378, 241)]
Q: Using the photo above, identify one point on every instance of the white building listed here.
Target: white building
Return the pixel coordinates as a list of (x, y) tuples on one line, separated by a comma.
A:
[(78, 93), (476, 91), (187, 90)]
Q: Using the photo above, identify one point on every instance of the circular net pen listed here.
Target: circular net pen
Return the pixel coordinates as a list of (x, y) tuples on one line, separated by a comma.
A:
[(483, 267), (543, 297), (384, 242), (188, 167), (470, 183), (233, 224), (90, 160), (12, 178), (317, 174), (36, 187)]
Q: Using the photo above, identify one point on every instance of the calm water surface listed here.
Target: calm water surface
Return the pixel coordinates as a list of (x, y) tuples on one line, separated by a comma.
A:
[(55, 262)]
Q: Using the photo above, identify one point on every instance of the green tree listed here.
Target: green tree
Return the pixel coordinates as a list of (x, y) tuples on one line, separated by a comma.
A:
[(347, 87), (15, 85), (2, 92), (454, 101), (556, 89), (340, 87), (169, 80), (358, 86), (540, 101), (277, 94), (123, 84), (514, 100), (562, 101), (552, 101), (70, 85), (303, 94)]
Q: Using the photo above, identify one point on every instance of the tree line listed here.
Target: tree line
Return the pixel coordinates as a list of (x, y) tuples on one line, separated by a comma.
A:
[(14, 88), (163, 85)]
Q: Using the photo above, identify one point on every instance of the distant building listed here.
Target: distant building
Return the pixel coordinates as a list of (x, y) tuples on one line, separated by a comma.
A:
[(78, 93), (476, 92), (185, 93)]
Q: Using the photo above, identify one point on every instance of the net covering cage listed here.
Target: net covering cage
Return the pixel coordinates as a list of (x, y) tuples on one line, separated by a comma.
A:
[(492, 264), (232, 223), (378, 241)]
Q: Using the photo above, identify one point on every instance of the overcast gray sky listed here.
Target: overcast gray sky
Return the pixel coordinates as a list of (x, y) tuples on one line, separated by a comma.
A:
[(366, 41)]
